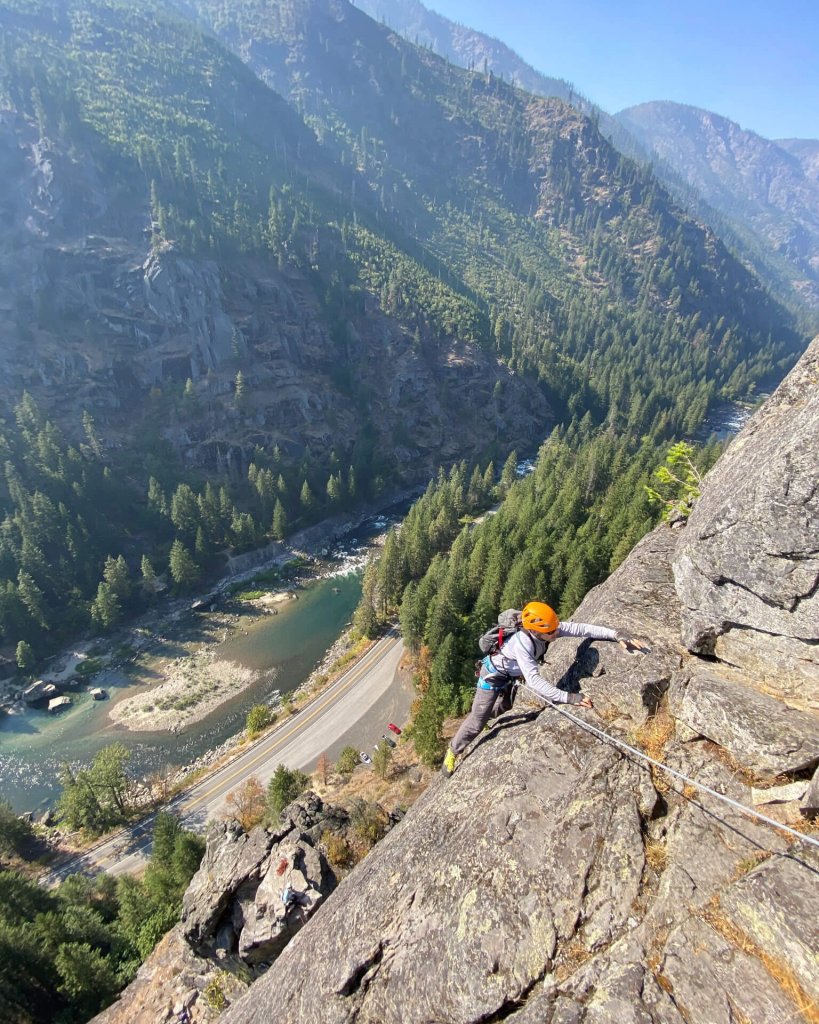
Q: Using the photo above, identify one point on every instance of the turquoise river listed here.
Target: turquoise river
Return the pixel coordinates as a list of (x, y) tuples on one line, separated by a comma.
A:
[(283, 648)]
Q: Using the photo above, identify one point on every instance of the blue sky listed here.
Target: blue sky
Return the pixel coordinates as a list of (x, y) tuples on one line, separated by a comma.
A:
[(756, 62)]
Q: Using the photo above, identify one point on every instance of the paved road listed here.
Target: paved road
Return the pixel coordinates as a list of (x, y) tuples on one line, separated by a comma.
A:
[(351, 709)]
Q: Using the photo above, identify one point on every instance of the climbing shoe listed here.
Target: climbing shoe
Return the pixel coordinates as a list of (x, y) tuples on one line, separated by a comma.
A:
[(451, 759)]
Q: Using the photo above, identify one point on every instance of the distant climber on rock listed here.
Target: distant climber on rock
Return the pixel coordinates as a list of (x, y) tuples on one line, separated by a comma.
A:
[(513, 650)]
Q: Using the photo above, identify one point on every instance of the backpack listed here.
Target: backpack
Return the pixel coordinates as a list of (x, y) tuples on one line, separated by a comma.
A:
[(509, 622)]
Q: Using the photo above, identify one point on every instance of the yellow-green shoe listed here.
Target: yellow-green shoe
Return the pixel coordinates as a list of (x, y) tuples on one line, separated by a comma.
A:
[(450, 761)]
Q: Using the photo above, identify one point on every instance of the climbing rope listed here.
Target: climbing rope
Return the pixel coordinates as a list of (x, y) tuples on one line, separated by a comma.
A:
[(679, 775)]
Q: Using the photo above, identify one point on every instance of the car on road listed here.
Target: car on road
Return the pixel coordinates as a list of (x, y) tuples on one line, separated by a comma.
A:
[(388, 740), (365, 757), (394, 728)]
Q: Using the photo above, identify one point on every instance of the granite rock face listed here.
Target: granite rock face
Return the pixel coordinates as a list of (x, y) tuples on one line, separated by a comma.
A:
[(760, 732), (254, 891), (464, 908), (747, 566)]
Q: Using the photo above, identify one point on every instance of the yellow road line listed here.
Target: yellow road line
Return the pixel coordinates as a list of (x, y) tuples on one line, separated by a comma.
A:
[(364, 666), (243, 769)]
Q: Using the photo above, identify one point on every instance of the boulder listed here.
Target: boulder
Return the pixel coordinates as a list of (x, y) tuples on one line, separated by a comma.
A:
[(234, 900), (40, 691), (749, 556), (760, 732), (294, 885)]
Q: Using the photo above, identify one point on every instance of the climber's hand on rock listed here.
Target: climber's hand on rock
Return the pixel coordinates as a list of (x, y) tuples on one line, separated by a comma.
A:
[(632, 644)]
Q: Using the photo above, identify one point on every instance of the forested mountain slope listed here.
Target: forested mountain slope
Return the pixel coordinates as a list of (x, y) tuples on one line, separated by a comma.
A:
[(471, 49), (576, 251), (760, 185), (237, 311)]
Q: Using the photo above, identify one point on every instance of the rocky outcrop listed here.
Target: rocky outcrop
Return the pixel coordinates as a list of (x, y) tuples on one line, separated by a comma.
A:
[(254, 891), (186, 297), (747, 569), (174, 976), (759, 731)]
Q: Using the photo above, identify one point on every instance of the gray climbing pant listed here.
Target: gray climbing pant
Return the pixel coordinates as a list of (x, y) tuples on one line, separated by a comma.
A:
[(487, 704)]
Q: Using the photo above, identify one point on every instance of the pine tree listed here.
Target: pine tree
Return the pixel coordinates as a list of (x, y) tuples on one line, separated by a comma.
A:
[(148, 574), (183, 568), (24, 656), (156, 498), (185, 511), (105, 608), (508, 474), (306, 497), (365, 620), (391, 573), (286, 785), (333, 489), (115, 574), (32, 597), (279, 527), (239, 389), (94, 443), (426, 731)]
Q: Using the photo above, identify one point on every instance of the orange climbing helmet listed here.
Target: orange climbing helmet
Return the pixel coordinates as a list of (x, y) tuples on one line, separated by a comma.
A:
[(539, 618)]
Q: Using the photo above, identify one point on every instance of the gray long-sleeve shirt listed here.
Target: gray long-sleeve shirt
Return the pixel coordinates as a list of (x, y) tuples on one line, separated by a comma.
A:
[(518, 658)]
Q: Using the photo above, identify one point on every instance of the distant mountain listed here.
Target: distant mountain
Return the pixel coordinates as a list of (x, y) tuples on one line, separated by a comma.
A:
[(466, 46), (763, 251), (806, 152), (766, 189)]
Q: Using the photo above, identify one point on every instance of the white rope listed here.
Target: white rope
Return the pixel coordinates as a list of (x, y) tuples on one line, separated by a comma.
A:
[(679, 775)]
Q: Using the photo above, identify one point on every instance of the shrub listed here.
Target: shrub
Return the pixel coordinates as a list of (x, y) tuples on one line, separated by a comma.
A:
[(339, 852), (258, 719), (283, 788), (347, 761)]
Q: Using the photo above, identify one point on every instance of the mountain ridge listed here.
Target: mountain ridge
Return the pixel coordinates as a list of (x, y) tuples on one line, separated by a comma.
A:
[(471, 48), (741, 174)]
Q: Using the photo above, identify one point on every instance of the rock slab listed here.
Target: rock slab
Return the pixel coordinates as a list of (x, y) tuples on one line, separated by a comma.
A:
[(749, 557)]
